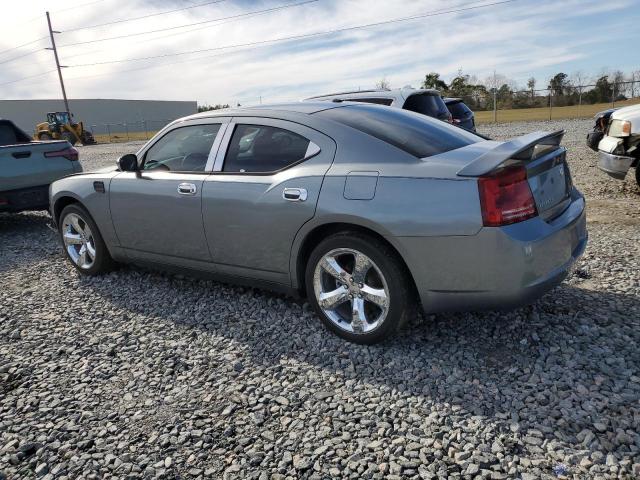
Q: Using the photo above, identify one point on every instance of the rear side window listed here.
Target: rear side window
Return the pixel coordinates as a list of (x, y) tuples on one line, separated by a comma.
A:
[(416, 134), (376, 101), (459, 110), (260, 148), (427, 104)]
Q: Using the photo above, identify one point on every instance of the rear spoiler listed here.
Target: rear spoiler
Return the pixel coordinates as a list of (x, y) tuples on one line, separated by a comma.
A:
[(520, 148)]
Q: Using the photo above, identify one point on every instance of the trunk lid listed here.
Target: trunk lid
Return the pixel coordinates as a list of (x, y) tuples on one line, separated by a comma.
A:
[(545, 161), (550, 183)]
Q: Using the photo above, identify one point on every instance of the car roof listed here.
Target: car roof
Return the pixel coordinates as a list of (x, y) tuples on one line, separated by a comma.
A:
[(384, 93), (308, 108), (451, 100)]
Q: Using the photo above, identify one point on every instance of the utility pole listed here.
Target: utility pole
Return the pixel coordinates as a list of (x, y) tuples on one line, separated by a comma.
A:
[(495, 97), (55, 54)]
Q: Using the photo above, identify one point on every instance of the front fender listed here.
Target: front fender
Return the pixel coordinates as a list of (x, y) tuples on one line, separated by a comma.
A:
[(81, 189)]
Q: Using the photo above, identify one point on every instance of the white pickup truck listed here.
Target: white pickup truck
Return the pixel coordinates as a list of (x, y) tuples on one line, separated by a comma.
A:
[(28, 167), (619, 149)]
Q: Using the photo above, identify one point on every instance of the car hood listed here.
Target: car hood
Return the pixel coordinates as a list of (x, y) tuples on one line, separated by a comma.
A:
[(631, 114)]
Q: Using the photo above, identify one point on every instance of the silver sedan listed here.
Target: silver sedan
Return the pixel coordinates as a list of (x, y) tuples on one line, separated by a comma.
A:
[(366, 210)]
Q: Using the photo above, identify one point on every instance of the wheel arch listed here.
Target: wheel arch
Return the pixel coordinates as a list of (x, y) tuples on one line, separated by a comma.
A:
[(60, 203), (314, 235)]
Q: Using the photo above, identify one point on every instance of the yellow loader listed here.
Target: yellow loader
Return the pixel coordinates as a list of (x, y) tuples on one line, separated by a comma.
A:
[(59, 127)]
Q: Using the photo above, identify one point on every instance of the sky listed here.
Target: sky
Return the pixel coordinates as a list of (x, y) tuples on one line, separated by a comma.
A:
[(518, 39)]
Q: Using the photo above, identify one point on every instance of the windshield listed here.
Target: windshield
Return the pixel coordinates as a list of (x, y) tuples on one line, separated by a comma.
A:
[(414, 133), (62, 117)]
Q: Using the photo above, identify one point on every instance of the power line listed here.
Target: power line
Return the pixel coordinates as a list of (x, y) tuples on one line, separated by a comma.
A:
[(25, 78), (241, 15), (22, 56), (141, 17), (75, 7), (24, 44), (301, 36)]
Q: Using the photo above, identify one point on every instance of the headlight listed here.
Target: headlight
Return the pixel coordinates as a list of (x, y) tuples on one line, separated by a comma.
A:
[(619, 128)]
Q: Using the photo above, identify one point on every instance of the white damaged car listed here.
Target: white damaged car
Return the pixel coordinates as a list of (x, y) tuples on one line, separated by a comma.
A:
[(619, 149)]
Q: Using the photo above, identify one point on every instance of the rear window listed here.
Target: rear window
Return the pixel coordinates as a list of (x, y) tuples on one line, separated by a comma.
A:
[(376, 101), (459, 110), (416, 134), (427, 104), (7, 135), (11, 135)]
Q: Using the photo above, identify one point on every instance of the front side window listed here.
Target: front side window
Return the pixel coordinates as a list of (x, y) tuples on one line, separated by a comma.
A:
[(260, 148), (185, 149)]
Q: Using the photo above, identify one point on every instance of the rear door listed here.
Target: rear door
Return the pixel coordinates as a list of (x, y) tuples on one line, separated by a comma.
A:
[(265, 186), (157, 213)]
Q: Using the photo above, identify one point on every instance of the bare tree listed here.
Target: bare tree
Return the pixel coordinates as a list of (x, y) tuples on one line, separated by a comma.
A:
[(531, 86), (634, 77), (383, 84), (619, 88), (578, 79)]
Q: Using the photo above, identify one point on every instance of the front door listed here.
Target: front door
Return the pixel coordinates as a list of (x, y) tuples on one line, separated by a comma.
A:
[(157, 213), (264, 187)]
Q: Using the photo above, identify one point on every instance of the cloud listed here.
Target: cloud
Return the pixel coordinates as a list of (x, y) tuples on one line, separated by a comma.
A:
[(517, 39)]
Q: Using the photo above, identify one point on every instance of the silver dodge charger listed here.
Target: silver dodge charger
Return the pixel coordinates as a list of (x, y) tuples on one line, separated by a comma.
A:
[(366, 210)]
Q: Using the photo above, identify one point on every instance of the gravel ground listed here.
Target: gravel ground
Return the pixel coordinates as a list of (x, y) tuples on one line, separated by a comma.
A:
[(141, 374)]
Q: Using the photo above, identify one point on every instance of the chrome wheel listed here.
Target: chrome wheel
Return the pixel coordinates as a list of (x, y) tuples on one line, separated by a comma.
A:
[(78, 241), (351, 290)]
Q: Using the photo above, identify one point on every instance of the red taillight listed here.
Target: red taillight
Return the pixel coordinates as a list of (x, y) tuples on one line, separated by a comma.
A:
[(68, 153), (505, 197)]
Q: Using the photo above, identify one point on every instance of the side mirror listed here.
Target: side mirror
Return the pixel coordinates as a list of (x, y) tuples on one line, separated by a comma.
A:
[(128, 163)]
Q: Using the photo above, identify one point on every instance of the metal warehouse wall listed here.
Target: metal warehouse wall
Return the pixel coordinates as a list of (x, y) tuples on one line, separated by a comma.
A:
[(137, 114)]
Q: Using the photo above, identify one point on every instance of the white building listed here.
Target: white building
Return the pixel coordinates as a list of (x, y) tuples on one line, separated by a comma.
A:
[(100, 115)]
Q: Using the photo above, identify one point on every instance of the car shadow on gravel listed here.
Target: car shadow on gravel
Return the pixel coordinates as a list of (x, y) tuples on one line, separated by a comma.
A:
[(567, 359)]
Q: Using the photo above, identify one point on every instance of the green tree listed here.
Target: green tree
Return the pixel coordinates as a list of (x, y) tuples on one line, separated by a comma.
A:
[(460, 87), (603, 90), (206, 108), (432, 80), (559, 84)]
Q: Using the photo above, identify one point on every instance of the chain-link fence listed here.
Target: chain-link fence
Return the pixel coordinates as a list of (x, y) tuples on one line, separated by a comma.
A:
[(126, 131), (502, 104)]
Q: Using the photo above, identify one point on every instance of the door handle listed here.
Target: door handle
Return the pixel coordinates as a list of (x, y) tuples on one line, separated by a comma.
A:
[(294, 194), (26, 154), (187, 189)]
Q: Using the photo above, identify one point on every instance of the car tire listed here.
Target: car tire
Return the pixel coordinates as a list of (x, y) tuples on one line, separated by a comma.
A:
[(81, 240), (638, 173), (69, 137), (383, 272)]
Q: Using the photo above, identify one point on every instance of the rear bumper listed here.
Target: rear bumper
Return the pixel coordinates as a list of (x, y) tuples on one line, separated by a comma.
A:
[(499, 268), (616, 166), (32, 198)]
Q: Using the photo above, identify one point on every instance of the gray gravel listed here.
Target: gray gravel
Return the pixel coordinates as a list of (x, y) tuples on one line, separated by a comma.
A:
[(141, 374)]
